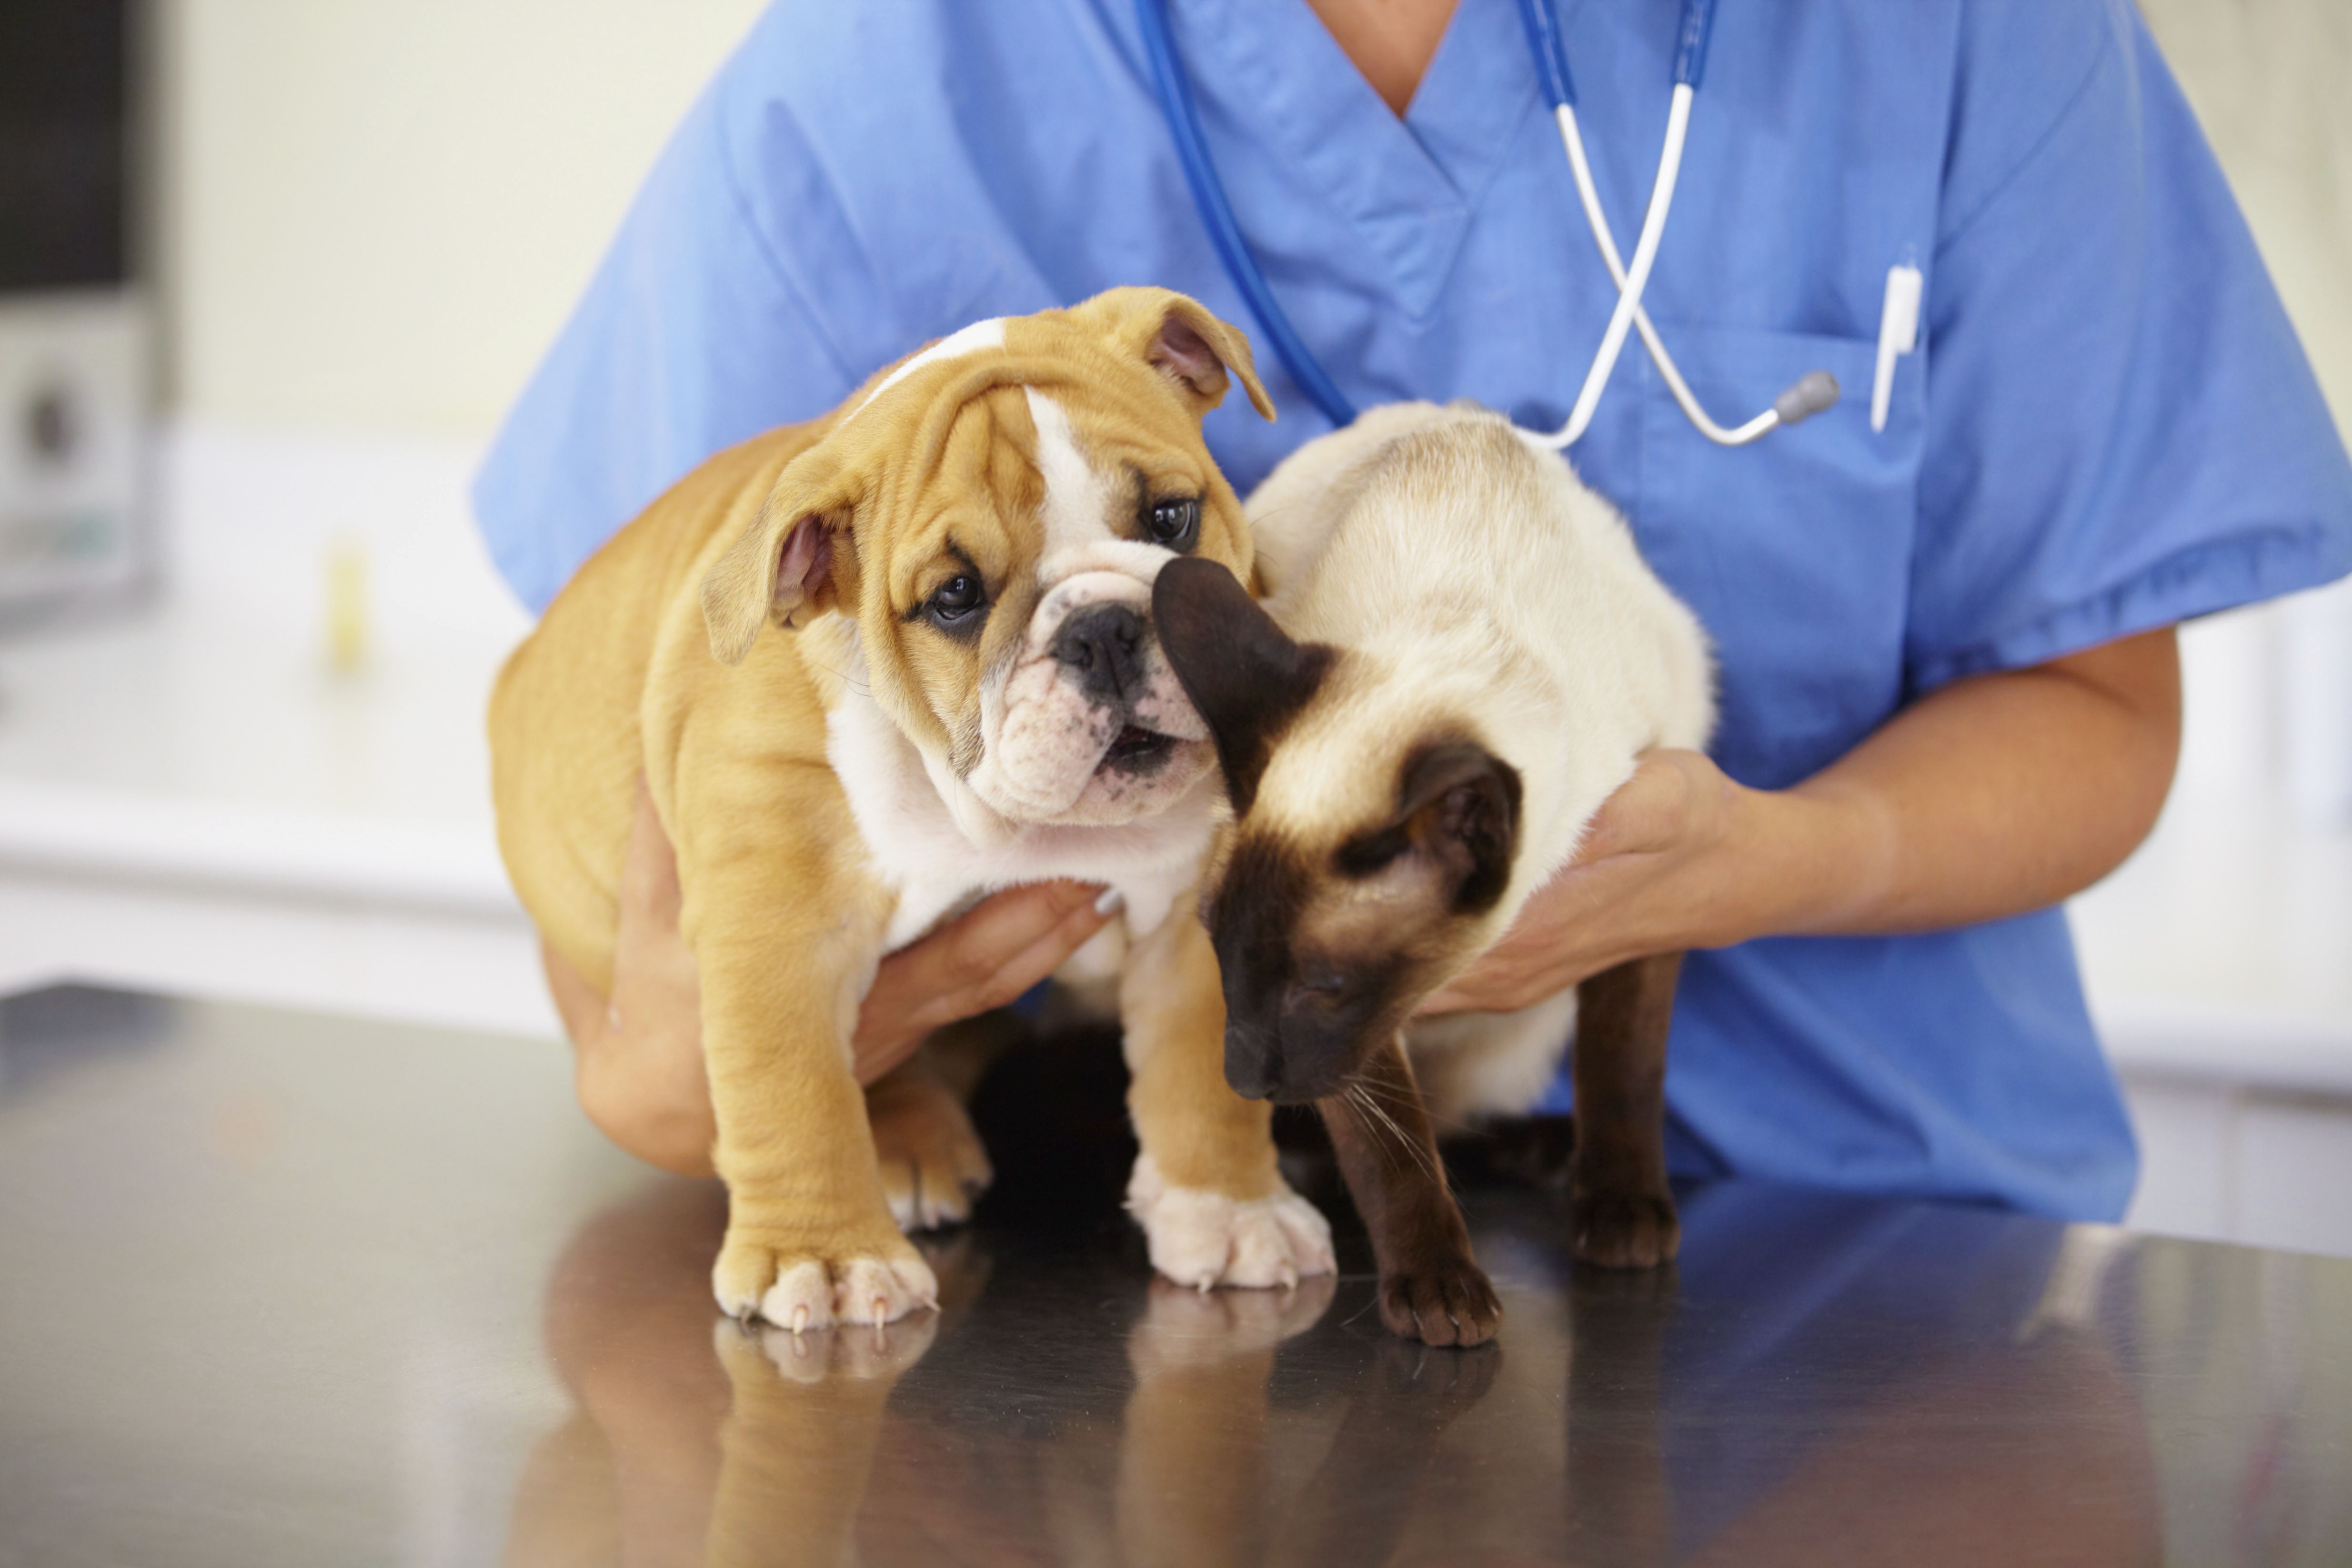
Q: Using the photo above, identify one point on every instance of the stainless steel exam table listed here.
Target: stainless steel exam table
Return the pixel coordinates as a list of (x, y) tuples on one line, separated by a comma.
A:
[(279, 1289)]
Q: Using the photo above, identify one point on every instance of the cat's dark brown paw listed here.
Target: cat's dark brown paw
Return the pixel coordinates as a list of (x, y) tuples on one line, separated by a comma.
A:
[(1443, 1301), (1623, 1230)]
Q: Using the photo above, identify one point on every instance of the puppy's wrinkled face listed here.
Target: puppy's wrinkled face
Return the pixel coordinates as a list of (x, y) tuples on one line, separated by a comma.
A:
[(1372, 843), (1023, 611), (1035, 475)]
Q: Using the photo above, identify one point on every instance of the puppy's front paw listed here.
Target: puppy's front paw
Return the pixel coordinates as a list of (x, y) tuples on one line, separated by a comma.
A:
[(1440, 1301), (1620, 1229), (799, 1284), (933, 1163), (1202, 1238)]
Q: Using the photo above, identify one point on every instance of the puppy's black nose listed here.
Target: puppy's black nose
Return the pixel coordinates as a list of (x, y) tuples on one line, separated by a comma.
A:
[(1104, 644)]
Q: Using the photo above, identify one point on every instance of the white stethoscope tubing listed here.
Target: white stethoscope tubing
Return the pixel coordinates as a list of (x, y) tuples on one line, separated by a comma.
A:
[(1808, 395), (1630, 285)]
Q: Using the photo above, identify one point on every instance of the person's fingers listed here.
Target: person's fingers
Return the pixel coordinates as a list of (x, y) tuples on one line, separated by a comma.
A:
[(576, 1003), (1487, 986), (649, 888), (978, 943), (963, 968), (1535, 957), (1503, 989), (984, 958), (1648, 813), (1008, 975), (1039, 960), (1498, 982), (874, 1057), (1445, 999)]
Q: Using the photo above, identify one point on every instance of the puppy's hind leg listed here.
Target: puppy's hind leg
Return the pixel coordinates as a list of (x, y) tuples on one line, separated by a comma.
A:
[(1620, 1210), (933, 1164)]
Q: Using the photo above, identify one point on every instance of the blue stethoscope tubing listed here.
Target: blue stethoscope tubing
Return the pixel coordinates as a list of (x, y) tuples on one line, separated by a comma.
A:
[(1808, 395), (1224, 232)]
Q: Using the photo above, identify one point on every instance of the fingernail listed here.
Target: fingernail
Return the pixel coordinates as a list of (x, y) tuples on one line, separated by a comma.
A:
[(1111, 902)]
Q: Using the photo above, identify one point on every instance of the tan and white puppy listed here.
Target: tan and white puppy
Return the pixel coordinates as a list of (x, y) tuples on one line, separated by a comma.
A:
[(968, 692), (1465, 654)]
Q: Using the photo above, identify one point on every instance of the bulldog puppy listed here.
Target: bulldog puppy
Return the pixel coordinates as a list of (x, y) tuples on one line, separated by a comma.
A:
[(966, 692), (1465, 656)]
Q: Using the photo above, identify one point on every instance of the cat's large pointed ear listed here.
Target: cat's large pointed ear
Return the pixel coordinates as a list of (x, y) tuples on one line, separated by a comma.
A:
[(1457, 812), (796, 560), (1177, 336), (1244, 675)]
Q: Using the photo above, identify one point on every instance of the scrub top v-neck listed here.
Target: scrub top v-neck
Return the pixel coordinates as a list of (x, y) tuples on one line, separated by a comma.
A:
[(2107, 424)]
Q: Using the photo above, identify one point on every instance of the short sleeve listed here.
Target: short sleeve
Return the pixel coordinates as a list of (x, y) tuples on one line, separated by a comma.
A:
[(691, 337), (2123, 430)]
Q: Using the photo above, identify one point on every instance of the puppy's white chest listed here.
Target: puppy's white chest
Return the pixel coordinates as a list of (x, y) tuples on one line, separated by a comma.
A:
[(936, 863)]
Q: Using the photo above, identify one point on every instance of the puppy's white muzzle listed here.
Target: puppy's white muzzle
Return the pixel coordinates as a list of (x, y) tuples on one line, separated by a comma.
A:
[(1087, 722)]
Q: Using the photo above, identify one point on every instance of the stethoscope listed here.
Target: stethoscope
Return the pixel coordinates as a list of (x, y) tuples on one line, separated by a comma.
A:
[(1808, 395)]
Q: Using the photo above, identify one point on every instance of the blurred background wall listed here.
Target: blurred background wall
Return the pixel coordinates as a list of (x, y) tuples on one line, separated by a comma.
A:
[(376, 212), (2272, 688)]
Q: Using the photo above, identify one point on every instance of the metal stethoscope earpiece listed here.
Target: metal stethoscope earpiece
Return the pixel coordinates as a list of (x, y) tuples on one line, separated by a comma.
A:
[(1811, 393), (1808, 395)]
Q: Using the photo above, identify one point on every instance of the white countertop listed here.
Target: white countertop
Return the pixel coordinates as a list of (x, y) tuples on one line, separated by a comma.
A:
[(205, 738), (175, 748), (2223, 949)]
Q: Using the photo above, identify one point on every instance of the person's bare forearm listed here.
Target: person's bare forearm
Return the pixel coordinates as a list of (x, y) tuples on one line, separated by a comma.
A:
[(1992, 796)]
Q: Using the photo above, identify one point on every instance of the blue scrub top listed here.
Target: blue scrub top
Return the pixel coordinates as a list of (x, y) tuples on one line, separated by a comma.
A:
[(2108, 427)]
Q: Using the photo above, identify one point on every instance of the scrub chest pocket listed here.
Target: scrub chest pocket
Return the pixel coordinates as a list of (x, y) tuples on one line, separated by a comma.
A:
[(1795, 552)]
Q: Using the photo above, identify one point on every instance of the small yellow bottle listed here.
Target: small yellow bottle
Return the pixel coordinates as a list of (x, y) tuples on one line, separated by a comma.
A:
[(347, 604)]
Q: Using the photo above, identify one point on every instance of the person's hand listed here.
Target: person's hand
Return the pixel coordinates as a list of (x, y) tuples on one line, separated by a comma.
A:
[(641, 1078), (984, 958), (1987, 797), (1663, 867)]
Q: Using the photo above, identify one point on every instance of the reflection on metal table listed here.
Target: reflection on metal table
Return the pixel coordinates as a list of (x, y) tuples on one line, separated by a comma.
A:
[(276, 1289)]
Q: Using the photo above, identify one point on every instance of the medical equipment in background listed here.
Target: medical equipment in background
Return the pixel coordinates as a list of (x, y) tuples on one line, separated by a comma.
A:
[(76, 352), (1808, 395)]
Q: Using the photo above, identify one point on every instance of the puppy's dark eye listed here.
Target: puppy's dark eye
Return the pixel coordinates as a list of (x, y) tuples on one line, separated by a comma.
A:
[(1175, 522), (956, 602)]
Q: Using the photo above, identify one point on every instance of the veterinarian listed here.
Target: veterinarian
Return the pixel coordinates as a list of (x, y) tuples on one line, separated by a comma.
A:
[(1942, 607)]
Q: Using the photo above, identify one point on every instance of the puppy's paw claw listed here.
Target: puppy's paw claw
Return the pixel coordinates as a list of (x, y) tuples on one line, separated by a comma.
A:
[(801, 1288)]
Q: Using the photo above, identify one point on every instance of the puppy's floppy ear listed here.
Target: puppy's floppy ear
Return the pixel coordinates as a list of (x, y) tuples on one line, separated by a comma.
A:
[(1458, 809), (797, 556), (1176, 335), (1243, 674)]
